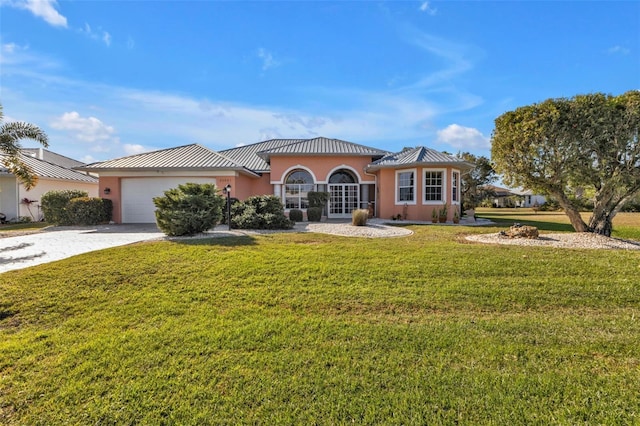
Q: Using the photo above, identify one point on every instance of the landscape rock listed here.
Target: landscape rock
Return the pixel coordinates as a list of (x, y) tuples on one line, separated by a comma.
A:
[(522, 231)]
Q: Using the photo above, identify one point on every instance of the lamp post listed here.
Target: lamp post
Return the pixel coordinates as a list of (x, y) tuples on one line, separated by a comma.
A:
[(227, 190)]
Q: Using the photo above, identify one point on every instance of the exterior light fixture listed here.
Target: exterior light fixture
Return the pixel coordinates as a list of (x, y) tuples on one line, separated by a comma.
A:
[(227, 190), (107, 191)]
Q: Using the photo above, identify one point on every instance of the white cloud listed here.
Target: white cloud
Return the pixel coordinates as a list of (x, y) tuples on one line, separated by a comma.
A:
[(426, 7), (618, 50), (268, 61), (130, 43), (463, 137), (106, 37), (98, 34), (45, 9), (91, 130), (133, 149)]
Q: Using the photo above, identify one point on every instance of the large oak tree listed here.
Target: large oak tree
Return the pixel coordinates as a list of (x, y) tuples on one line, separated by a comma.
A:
[(10, 136), (585, 141)]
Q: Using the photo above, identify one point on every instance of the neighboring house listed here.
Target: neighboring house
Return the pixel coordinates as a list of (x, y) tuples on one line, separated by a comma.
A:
[(503, 197), (528, 198), (54, 173), (415, 181)]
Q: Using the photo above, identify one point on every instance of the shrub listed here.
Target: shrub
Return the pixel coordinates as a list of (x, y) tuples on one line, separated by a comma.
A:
[(295, 215), (89, 211), (314, 214), (232, 201), (317, 199), (189, 209), (54, 205), (260, 212), (359, 217)]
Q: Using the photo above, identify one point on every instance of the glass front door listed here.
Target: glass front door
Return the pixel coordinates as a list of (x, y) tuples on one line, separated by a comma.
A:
[(343, 199)]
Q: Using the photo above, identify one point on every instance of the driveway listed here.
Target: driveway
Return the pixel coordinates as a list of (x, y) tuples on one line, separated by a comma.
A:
[(61, 242)]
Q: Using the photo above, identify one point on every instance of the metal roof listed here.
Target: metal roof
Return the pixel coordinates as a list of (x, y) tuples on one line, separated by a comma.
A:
[(256, 156), (191, 157), (44, 169), (323, 146), (419, 156), (52, 157), (247, 155)]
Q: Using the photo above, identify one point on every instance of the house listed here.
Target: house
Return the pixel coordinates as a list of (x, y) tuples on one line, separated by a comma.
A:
[(414, 181), (503, 197), (54, 172)]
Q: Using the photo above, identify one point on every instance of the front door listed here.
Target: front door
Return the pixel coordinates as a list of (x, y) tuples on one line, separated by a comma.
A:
[(343, 199)]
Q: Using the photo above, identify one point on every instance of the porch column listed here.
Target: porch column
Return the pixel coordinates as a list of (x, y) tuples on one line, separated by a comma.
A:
[(364, 196)]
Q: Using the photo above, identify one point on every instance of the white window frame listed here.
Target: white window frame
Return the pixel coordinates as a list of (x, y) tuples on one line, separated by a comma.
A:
[(455, 196), (443, 191), (397, 184), (300, 190)]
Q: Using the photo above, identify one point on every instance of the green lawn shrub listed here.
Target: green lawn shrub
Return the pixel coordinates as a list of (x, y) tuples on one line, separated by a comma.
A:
[(314, 214), (295, 215), (54, 205), (317, 199), (189, 209), (359, 217), (89, 210), (260, 212)]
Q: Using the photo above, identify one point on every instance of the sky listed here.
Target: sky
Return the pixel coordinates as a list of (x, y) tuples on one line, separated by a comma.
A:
[(107, 79)]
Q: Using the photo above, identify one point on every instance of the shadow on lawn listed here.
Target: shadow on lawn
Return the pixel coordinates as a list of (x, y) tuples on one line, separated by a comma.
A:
[(540, 224), (218, 240)]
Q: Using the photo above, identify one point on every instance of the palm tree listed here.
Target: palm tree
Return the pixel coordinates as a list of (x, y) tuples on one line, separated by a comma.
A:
[(10, 136)]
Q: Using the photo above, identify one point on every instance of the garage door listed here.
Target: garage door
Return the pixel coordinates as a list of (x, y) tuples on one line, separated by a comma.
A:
[(138, 194)]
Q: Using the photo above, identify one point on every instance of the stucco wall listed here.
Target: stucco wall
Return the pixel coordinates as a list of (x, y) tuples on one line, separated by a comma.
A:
[(321, 166), (45, 185), (420, 211)]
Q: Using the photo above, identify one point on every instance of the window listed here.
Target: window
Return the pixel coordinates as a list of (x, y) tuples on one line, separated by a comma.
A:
[(406, 187), (455, 186), (297, 186), (433, 186)]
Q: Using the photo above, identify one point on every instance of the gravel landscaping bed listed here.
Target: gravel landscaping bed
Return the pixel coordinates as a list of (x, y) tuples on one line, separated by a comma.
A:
[(586, 240)]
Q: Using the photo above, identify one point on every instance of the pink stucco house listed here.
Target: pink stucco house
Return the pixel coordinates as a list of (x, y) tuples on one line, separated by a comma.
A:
[(415, 180)]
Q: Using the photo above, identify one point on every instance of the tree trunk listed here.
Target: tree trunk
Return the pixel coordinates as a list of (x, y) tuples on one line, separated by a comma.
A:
[(602, 224), (574, 214)]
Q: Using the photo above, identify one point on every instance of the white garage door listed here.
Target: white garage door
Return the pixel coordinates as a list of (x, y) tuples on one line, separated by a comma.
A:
[(138, 193)]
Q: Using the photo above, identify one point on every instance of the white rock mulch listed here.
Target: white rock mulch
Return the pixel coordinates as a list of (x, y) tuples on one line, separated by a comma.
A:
[(371, 230), (585, 240)]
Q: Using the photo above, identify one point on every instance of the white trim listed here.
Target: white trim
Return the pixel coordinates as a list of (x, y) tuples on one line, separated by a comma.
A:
[(292, 168), (344, 166), (397, 202), (459, 193), (444, 187)]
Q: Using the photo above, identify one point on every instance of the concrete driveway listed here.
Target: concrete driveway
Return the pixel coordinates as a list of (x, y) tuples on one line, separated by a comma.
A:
[(61, 242)]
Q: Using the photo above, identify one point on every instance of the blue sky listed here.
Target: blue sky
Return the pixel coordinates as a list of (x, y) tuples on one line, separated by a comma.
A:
[(107, 79)]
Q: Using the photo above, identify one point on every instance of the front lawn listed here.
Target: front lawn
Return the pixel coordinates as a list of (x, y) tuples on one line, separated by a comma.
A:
[(319, 329)]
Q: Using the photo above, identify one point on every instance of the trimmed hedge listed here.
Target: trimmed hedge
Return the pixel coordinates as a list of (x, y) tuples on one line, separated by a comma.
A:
[(54, 205), (296, 215), (314, 214), (89, 211)]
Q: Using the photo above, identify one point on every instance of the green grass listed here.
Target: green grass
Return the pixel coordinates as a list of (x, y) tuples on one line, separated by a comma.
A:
[(319, 329), (625, 225), (22, 226)]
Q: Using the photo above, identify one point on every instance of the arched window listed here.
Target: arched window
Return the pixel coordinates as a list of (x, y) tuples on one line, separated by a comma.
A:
[(342, 176), (297, 186)]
